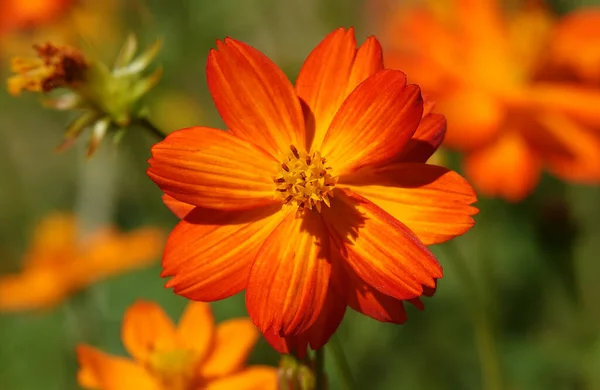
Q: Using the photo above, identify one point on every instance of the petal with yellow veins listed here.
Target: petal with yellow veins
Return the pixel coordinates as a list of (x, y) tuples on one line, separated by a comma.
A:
[(433, 202), (233, 343), (211, 246), (98, 370), (382, 251), (212, 168), (254, 97), (374, 123), (426, 140), (288, 281)]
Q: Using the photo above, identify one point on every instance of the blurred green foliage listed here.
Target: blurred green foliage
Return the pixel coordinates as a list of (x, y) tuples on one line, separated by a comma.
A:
[(535, 264)]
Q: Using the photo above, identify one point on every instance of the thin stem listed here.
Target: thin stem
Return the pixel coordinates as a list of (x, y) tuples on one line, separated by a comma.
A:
[(320, 369), (484, 335), (343, 368), (146, 124)]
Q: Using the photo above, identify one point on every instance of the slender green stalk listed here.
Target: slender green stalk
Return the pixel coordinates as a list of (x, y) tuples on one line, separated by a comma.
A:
[(484, 334), (320, 383), (343, 368), (146, 124)]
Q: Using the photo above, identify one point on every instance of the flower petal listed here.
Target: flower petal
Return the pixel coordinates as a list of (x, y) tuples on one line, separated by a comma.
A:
[(432, 201), (254, 97), (213, 168), (98, 370), (426, 140), (331, 71), (288, 281), (234, 341), (35, 288), (196, 328), (374, 123), (370, 302), (379, 248), (180, 209), (251, 378), (507, 168), (146, 327), (209, 254)]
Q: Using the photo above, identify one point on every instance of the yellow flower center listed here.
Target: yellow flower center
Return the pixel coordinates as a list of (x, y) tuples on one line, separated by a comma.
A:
[(304, 180), (174, 369)]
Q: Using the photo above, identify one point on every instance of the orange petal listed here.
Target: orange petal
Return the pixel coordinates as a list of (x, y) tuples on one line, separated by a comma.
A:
[(370, 302), (213, 168), (581, 163), (36, 288), (98, 370), (574, 42), (233, 343), (180, 209), (147, 328), (474, 116), (331, 71), (209, 254), (254, 97), (374, 123), (507, 168), (196, 328), (379, 248), (426, 140), (251, 378), (434, 202), (289, 278), (579, 102)]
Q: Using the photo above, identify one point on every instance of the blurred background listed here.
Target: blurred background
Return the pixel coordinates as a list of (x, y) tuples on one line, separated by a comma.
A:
[(533, 265)]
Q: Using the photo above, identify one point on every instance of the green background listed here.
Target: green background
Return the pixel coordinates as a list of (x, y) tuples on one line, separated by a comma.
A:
[(534, 264)]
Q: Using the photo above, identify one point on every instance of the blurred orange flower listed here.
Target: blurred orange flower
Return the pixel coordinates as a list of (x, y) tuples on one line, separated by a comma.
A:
[(487, 72), (58, 264), (19, 14), (196, 355), (317, 197)]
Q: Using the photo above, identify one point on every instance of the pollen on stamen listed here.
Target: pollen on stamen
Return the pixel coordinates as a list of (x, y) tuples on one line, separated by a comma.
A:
[(304, 181)]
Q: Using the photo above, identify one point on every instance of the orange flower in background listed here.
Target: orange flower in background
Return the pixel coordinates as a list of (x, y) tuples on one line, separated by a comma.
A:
[(318, 196), (19, 14), (486, 72), (195, 355), (58, 264)]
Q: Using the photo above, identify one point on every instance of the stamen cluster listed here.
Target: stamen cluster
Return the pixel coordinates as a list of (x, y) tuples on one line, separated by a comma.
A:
[(304, 180)]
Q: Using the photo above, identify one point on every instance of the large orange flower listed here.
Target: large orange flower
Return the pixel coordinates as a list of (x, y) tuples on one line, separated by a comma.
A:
[(317, 197), (59, 263), (488, 74), (196, 355)]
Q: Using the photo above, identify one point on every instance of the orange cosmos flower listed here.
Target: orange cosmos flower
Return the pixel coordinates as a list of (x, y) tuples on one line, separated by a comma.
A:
[(19, 14), (317, 197), (58, 264), (197, 355), (485, 72)]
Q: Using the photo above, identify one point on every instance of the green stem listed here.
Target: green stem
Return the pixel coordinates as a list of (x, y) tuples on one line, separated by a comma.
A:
[(343, 368), (320, 369), (484, 334), (146, 124)]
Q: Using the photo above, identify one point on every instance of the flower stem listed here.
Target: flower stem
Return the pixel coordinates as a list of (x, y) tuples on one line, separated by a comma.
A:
[(320, 369), (146, 124), (343, 368), (484, 335)]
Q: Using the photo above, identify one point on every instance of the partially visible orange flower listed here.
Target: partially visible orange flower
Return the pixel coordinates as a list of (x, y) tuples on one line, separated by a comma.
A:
[(485, 70), (59, 264), (317, 198), (195, 355), (19, 14)]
